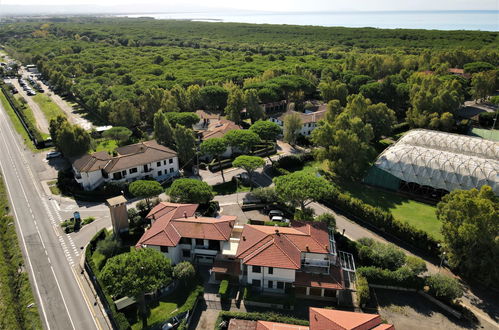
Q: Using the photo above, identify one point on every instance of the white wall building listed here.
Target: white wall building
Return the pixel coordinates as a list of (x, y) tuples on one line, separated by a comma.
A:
[(133, 162), (309, 120)]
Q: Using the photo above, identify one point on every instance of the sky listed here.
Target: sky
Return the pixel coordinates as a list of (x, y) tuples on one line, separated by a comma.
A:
[(272, 5)]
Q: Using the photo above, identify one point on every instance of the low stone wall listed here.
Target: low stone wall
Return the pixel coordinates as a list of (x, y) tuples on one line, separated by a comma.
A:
[(266, 305)]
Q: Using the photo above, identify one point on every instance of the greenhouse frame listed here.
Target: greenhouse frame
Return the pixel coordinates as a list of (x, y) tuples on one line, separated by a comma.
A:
[(436, 162)]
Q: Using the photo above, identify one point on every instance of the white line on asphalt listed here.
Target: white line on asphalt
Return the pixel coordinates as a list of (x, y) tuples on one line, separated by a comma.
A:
[(87, 302), (63, 300)]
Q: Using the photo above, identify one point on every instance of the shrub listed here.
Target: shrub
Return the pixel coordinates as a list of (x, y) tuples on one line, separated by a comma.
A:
[(226, 316), (304, 215), (88, 220), (415, 264), (266, 195), (223, 289), (290, 163), (276, 223), (121, 321), (184, 272), (402, 277), (443, 287), (109, 246), (362, 290), (99, 260), (387, 256), (328, 219)]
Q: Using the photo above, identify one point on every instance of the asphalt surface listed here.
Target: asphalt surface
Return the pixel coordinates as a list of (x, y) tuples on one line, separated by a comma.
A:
[(63, 298)]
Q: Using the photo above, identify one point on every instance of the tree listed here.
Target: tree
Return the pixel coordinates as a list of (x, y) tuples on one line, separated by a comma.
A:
[(253, 107), (145, 189), (292, 127), (334, 90), (190, 191), (193, 97), (121, 134), (186, 119), (185, 144), (154, 100), (213, 97), (470, 223), (415, 264), (163, 131), (386, 256), (124, 113), (333, 109), (266, 195), (266, 130), (54, 127), (301, 188), (483, 84), (243, 140), (215, 147), (235, 103), (328, 219), (184, 272), (249, 164), (71, 140), (135, 273)]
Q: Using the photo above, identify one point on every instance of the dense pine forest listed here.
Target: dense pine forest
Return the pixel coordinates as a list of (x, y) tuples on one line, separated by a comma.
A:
[(115, 67)]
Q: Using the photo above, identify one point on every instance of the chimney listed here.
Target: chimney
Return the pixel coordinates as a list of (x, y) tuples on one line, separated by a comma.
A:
[(244, 238), (185, 214), (277, 230)]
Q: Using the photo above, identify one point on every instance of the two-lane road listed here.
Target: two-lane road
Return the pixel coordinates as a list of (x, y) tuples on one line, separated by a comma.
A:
[(53, 273)]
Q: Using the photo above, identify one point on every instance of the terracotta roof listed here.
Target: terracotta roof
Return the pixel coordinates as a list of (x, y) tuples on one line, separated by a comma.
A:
[(266, 325), (219, 129), (281, 247), (128, 156), (325, 281), (384, 326), (306, 118), (207, 115), (174, 221), (321, 318), (232, 268), (236, 324)]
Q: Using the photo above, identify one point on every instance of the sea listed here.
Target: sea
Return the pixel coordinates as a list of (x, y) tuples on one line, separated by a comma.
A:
[(483, 20)]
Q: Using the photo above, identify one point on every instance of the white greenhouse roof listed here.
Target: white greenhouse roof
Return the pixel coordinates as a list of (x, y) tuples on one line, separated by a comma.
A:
[(443, 160)]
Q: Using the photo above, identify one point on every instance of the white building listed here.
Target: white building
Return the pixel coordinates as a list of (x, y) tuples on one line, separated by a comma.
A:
[(181, 235), (133, 162), (309, 120)]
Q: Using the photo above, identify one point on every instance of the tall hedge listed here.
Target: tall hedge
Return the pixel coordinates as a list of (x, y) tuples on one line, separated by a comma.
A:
[(255, 316)]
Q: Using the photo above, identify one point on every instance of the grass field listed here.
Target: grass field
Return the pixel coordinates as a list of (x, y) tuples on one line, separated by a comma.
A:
[(18, 126), (488, 134), (418, 214), (228, 188), (15, 290), (49, 108)]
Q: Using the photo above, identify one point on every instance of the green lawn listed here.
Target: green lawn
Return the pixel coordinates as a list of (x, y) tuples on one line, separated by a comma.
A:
[(106, 145), (488, 134), (49, 108), (18, 126), (228, 188), (418, 214)]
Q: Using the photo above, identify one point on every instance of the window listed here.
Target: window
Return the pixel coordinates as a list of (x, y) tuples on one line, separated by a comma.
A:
[(257, 269), (170, 160), (172, 170), (133, 170), (271, 270), (270, 284), (256, 283), (164, 249), (123, 173), (186, 253), (199, 242), (117, 176), (160, 172), (164, 162), (158, 164), (280, 285), (185, 240)]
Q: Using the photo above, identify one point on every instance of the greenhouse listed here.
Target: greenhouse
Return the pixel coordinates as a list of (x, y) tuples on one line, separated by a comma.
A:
[(436, 162)]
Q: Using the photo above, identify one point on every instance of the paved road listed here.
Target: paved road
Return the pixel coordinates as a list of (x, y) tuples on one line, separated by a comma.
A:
[(51, 257)]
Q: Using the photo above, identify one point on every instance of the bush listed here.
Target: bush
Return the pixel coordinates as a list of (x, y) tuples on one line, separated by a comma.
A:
[(276, 223), (415, 264), (121, 321), (226, 316), (304, 215), (362, 290), (99, 260), (486, 119), (266, 195), (290, 163), (328, 219), (223, 289), (443, 287), (184, 272), (386, 256), (109, 247), (87, 220)]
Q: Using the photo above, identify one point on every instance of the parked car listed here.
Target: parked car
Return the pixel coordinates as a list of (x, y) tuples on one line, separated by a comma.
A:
[(273, 213), (243, 178), (53, 154), (278, 218), (31, 92)]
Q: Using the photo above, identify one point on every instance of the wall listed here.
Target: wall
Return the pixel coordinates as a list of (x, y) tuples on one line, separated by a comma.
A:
[(279, 274), (90, 180)]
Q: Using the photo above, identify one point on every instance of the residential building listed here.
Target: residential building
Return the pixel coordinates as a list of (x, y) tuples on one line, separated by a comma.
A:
[(218, 129), (144, 160), (178, 232), (302, 257), (320, 319), (309, 120)]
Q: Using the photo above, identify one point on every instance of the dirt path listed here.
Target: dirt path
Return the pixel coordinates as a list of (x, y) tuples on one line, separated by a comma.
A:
[(41, 121)]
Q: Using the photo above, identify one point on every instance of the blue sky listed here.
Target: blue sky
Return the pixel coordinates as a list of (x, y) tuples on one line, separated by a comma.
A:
[(278, 5)]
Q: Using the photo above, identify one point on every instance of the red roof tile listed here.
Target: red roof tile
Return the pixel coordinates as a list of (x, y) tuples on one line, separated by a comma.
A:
[(384, 326), (174, 221), (266, 325), (325, 281), (321, 318)]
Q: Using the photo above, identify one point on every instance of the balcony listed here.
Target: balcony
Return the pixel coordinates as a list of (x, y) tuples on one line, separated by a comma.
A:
[(206, 252), (315, 263)]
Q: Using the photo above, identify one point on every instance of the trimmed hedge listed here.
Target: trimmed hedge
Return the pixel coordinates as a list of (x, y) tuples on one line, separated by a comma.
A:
[(402, 277), (382, 220), (226, 316), (223, 289), (276, 223), (363, 293)]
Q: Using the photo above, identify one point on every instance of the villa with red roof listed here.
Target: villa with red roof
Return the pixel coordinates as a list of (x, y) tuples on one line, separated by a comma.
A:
[(320, 319), (303, 257), (178, 232)]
